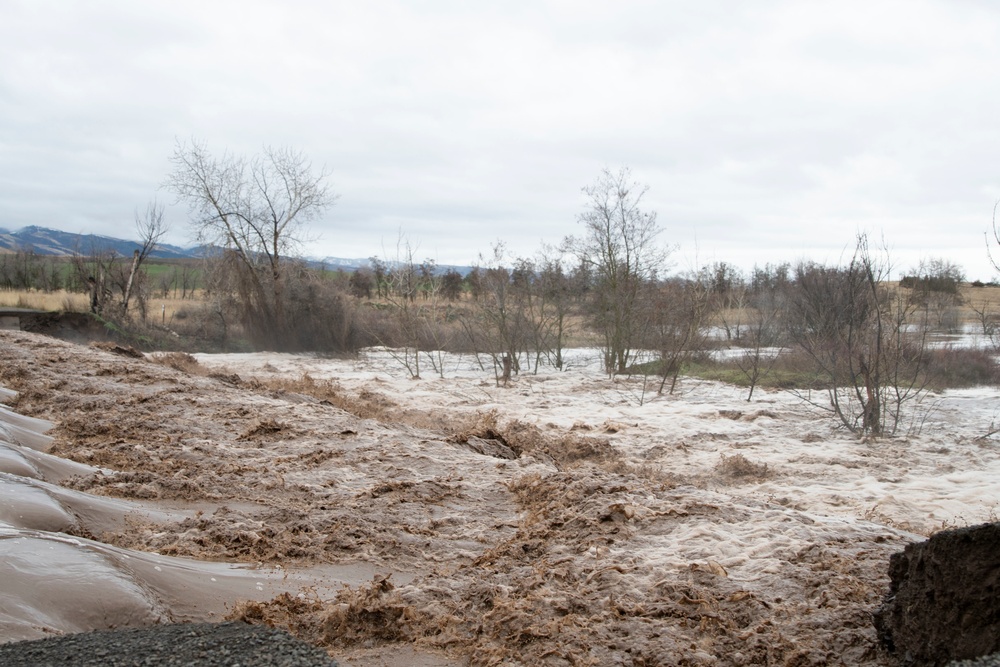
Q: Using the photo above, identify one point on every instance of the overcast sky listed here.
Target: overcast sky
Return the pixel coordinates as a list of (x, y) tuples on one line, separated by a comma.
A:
[(767, 131)]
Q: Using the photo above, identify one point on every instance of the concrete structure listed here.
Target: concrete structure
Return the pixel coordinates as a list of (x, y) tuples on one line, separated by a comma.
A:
[(11, 318)]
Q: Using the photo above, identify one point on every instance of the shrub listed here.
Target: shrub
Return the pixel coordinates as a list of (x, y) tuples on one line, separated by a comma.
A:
[(952, 367)]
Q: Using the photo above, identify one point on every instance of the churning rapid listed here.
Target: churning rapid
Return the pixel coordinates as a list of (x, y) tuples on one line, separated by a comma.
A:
[(565, 517)]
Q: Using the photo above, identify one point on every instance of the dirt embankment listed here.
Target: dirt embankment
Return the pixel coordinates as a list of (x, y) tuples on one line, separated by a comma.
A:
[(70, 326)]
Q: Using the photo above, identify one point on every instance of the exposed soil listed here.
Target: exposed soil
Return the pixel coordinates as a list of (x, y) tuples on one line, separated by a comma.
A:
[(944, 598), (75, 327)]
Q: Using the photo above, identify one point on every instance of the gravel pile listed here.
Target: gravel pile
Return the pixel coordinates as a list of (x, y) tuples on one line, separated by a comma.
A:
[(208, 644), (984, 661)]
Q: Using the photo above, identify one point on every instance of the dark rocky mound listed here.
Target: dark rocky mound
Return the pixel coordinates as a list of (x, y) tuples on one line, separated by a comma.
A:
[(944, 598), (74, 327), (208, 644)]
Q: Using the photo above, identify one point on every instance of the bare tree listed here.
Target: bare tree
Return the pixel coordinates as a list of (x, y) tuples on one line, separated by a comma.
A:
[(863, 338), (451, 285), (989, 322), (619, 246), (151, 229), (401, 295), (995, 230), (255, 207), (379, 270), (730, 295), (361, 282), (97, 269)]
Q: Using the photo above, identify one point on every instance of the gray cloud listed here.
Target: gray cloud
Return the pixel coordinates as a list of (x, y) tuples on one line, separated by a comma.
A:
[(767, 131)]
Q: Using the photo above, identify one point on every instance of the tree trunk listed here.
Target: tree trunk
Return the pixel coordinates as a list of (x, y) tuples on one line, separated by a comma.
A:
[(131, 278)]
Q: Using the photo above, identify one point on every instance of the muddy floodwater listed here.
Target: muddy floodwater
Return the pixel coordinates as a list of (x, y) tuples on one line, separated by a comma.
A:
[(565, 519)]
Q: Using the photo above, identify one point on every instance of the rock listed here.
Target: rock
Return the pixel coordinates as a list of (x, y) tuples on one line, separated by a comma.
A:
[(944, 598)]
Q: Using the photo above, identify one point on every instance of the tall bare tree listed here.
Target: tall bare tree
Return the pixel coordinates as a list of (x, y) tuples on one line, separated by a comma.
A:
[(619, 246), (151, 229), (256, 207)]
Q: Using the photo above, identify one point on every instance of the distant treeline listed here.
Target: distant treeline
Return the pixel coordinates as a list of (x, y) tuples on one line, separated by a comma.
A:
[(25, 269)]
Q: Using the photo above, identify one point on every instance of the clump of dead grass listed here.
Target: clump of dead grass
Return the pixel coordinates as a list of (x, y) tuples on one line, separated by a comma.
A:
[(281, 536), (952, 367), (739, 468), (179, 361), (49, 301), (264, 428), (564, 449), (366, 404), (363, 614), (120, 350)]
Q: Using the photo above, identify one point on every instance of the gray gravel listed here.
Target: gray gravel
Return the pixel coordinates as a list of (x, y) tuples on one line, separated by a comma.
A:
[(984, 661), (209, 644)]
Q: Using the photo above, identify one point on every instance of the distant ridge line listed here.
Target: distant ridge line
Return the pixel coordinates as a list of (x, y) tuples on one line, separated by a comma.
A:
[(44, 241)]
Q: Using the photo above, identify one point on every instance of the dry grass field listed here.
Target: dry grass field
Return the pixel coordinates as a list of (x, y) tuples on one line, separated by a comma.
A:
[(158, 308), (977, 298), (60, 300)]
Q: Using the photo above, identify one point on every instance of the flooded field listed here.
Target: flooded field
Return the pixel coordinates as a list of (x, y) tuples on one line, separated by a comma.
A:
[(567, 518)]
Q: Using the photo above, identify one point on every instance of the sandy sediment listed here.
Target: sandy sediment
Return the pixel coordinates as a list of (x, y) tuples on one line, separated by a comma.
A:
[(559, 521)]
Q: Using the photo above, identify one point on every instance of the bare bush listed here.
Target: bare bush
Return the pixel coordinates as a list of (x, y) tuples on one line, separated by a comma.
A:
[(415, 323), (952, 367), (497, 324), (680, 314), (762, 335), (519, 313), (934, 287)]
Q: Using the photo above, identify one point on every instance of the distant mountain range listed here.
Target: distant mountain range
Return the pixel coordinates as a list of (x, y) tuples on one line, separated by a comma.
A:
[(54, 242)]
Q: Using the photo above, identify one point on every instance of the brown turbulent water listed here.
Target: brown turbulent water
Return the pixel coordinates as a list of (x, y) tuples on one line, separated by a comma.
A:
[(563, 520)]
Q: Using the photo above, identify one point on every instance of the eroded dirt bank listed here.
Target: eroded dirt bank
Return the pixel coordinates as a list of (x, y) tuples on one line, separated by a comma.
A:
[(494, 540)]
